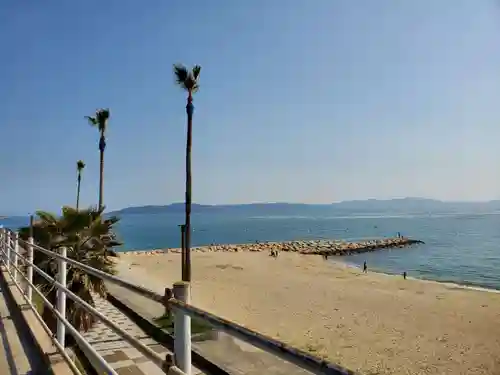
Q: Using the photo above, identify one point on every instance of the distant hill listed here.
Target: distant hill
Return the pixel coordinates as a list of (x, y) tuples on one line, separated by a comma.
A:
[(370, 206)]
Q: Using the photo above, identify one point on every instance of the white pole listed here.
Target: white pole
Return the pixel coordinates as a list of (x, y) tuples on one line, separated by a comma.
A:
[(16, 251), (2, 240), (29, 270), (182, 329), (7, 244), (61, 297)]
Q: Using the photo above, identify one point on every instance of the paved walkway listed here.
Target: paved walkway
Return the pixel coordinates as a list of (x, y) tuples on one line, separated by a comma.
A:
[(122, 357), (17, 357)]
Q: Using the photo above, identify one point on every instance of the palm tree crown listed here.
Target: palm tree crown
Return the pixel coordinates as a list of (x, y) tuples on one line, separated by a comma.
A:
[(100, 119), (80, 165), (188, 80)]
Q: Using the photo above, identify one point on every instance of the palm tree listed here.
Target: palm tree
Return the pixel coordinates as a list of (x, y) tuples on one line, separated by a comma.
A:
[(100, 121), (188, 80), (79, 167), (88, 238)]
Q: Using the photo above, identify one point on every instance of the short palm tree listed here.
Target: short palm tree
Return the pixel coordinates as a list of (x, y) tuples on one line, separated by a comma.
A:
[(188, 80), (79, 167), (100, 121), (88, 238)]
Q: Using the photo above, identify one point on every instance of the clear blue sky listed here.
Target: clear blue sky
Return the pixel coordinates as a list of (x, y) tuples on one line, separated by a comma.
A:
[(303, 101)]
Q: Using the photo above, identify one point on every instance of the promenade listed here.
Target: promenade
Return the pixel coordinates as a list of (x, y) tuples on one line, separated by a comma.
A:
[(17, 354)]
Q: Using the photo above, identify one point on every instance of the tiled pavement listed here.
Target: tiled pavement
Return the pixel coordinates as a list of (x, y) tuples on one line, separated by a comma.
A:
[(122, 357)]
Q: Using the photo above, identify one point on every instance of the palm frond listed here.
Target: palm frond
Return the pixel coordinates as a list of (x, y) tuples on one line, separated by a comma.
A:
[(181, 73), (80, 165), (196, 71), (47, 217), (92, 120)]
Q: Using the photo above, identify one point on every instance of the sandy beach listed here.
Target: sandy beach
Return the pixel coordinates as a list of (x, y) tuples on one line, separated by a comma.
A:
[(371, 323)]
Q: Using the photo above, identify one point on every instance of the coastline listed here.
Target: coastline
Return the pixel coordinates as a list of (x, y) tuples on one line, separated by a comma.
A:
[(367, 322), (267, 246), (451, 284)]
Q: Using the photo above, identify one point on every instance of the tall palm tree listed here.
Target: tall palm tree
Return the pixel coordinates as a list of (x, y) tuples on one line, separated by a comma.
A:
[(188, 80), (100, 121), (79, 167)]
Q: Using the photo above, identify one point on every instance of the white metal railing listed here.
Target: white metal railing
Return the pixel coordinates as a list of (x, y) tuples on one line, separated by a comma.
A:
[(175, 300)]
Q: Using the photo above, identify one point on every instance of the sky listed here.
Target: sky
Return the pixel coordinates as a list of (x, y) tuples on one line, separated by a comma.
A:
[(311, 101)]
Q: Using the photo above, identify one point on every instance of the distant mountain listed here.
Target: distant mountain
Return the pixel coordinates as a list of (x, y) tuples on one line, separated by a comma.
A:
[(370, 206)]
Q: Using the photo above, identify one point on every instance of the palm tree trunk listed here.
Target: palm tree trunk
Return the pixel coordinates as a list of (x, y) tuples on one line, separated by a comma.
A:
[(183, 251), (78, 191), (187, 228), (102, 146)]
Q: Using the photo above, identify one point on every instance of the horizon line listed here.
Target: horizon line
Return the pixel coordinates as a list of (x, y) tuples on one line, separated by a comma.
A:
[(4, 216)]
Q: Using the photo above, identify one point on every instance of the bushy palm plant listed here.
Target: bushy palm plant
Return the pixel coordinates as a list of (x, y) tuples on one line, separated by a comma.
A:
[(88, 238)]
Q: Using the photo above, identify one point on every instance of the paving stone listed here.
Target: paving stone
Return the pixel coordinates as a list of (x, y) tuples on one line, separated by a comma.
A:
[(118, 353)]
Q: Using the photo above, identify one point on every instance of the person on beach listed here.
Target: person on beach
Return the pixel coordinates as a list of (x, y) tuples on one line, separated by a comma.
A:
[(365, 267), (404, 275)]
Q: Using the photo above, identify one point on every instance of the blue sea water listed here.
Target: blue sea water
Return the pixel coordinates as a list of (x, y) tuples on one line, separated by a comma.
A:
[(459, 248)]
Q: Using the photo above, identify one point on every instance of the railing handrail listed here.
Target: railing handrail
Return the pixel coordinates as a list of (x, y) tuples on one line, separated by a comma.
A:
[(155, 357), (45, 327), (85, 346), (145, 292), (95, 358), (278, 348)]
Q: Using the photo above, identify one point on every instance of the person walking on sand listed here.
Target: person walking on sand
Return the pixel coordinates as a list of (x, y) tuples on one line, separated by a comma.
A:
[(404, 275), (365, 267)]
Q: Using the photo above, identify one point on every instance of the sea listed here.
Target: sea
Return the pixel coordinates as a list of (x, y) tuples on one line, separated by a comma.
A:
[(459, 248)]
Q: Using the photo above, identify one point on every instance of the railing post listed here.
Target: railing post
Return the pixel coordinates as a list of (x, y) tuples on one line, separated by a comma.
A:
[(16, 251), (29, 270), (166, 296), (2, 241), (61, 297), (29, 267), (182, 329), (7, 247)]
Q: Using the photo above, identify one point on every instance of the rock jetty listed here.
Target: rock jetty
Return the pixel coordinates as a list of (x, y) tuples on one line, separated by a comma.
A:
[(314, 247)]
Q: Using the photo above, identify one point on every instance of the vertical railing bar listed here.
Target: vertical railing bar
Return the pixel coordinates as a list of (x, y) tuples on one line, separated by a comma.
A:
[(2, 239), (29, 270), (7, 245), (14, 255), (61, 297), (182, 329), (29, 257)]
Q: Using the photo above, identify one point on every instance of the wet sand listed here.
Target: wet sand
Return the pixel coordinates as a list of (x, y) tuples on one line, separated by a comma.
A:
[(372, 323)]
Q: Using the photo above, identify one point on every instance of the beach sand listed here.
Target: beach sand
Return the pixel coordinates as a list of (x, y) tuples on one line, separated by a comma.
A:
[(371, 323)]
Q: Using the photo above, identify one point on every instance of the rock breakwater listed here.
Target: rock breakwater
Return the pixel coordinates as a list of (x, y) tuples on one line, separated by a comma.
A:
[(314, 247)]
